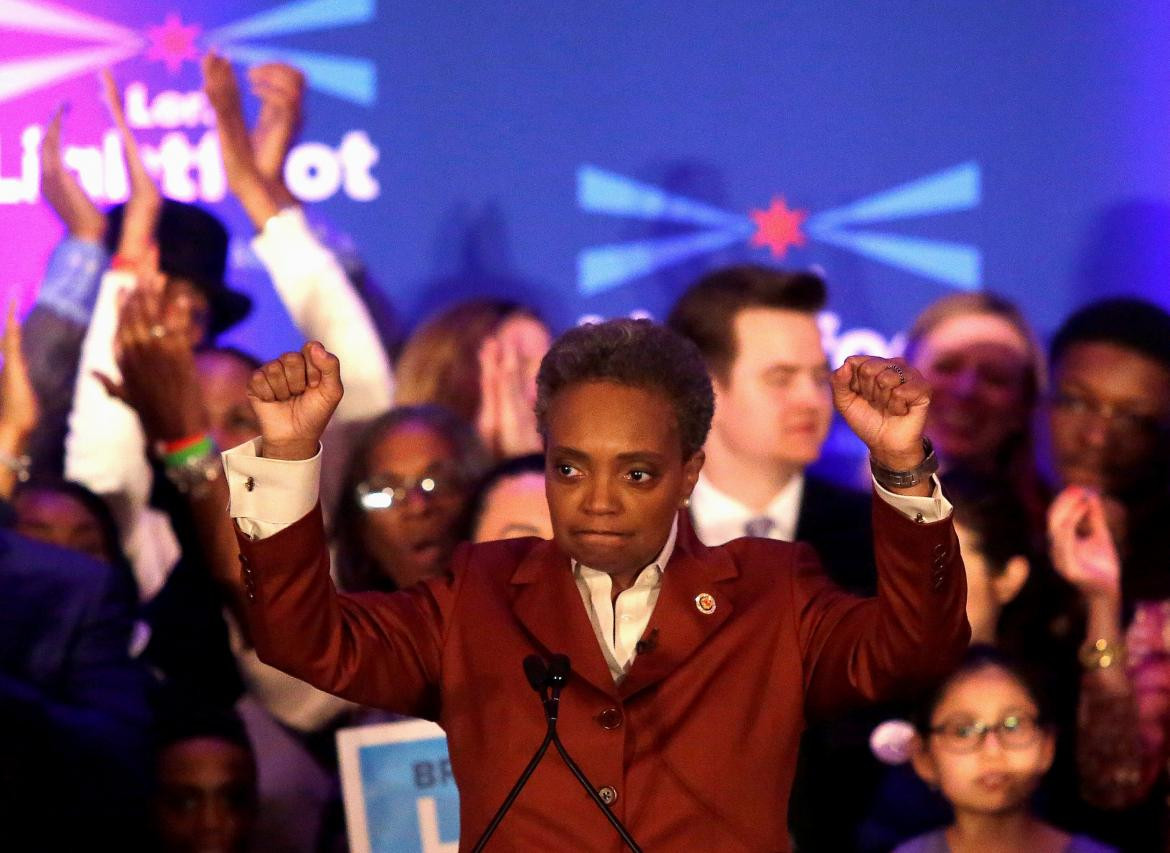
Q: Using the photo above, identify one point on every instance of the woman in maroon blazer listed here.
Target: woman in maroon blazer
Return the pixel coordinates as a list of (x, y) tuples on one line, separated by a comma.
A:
[(694, 668)]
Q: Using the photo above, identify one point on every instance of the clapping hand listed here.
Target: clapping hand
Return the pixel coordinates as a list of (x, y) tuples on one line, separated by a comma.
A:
[(245, 177), (506, 421), (281, 90), (140, 217), (60, 188), (1082, 548), (154, 345)]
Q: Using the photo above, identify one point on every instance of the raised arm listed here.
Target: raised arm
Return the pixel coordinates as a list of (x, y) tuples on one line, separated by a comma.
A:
[(55, 327), (916, 629), (105, 448), (312, 285), (1117, 761), (375, 649)]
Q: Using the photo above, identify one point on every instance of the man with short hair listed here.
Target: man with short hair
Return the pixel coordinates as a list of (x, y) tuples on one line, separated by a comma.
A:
[(757, 330)]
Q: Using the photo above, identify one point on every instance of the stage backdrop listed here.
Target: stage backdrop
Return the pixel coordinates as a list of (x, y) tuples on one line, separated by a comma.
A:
[(594, 158)]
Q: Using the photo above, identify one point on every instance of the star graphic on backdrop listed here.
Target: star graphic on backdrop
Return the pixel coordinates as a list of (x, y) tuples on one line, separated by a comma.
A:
[(778, 227), (173, 43)]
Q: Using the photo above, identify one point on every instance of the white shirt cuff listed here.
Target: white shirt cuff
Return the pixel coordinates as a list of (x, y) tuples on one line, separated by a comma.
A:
[(267, 495), (923, 510)]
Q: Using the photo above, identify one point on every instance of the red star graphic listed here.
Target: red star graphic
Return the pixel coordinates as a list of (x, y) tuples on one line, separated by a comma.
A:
[(778, 227), (173, 43)]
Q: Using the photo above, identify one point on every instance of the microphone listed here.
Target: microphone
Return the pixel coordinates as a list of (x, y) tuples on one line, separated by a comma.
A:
[(548, 679)]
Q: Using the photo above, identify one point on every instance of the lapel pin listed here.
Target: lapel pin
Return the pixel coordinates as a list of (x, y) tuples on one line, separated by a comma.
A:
[(705, 602)]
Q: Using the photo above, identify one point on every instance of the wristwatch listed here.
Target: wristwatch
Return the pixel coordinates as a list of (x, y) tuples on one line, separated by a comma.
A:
[(890, 479)]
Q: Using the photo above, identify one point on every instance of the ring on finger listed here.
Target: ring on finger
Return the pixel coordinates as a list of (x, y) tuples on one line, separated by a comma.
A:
[(897, 368), (158, 330)]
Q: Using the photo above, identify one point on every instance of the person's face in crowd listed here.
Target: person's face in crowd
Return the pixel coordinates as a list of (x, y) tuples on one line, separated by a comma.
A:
[(775, 405), (529, 339), (615, 474), (60, 519), (223, 380), (206, 795), (988, 772), (200, 308), (413, 539), (989, 589), (1109, 417), (979, 368), (515, 506)]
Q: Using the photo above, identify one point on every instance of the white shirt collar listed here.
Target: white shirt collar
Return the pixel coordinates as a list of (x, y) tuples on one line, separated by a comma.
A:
[(720, 518)]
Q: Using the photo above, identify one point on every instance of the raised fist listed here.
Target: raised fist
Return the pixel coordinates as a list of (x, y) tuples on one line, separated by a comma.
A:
[(293, 398), (884, 402)]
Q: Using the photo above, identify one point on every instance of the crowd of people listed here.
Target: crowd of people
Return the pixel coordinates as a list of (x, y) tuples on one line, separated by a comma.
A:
[(134, 709)]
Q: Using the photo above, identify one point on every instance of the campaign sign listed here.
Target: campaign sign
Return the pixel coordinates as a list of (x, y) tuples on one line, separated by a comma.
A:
[(399, 794)]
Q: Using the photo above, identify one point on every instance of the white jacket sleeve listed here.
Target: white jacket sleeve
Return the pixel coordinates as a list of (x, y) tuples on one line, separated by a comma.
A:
[(105, 449), (324, 306)]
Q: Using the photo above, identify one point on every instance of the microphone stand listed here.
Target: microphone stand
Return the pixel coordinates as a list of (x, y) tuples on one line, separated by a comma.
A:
[(549, 680)]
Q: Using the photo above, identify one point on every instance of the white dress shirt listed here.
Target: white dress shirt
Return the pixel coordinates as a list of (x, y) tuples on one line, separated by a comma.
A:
[(268, 495), (720, 518), (620, 623)]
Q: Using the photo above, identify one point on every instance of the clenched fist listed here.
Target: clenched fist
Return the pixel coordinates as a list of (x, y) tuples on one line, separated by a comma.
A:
[(884, 402), (293, 398)]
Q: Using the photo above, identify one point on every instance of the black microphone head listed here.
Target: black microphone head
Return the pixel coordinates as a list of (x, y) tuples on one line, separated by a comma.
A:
[(558, 670), (536, 671)]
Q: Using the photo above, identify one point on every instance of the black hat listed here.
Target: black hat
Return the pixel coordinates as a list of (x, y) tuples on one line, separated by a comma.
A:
[(193, 245)]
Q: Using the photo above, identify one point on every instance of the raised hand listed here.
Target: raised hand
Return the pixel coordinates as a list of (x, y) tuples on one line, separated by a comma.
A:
[(154, 343), (244, 178), (884, 402), (1081, 545), (140, 217), (507, 421), (60, 188), (19, 410), (281, 90), (293, 398)]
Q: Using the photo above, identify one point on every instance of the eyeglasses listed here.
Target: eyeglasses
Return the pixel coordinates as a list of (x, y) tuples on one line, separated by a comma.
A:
[(382, 492), (1117, 419), (1015, 731)]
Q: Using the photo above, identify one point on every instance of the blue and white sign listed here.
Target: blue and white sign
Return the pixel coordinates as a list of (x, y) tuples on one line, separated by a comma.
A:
[(399, 794)]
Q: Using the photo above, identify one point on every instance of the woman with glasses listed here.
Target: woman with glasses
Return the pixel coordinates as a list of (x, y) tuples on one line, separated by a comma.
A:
[(983, 741), (404, 498)]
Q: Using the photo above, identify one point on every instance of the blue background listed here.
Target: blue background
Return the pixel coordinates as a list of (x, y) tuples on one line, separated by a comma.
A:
[(484, 112)]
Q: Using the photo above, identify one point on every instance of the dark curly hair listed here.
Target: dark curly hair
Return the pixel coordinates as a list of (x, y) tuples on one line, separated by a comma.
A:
[(1131, 323), (637, 353)]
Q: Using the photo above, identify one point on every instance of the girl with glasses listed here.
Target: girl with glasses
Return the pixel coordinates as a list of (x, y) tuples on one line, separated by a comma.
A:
[(984, 742)]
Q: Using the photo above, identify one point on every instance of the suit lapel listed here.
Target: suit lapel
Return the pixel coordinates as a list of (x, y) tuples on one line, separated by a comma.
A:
[(548, 604), (678, 626)]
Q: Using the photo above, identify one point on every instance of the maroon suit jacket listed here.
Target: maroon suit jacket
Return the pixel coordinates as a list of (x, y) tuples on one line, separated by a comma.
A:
[(699, 740)]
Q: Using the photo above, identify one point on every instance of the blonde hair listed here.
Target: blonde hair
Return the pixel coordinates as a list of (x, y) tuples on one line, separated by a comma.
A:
[(991, 304), (440, 361)]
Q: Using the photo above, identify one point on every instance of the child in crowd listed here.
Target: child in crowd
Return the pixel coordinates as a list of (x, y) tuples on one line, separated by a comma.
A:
[(984, 741)]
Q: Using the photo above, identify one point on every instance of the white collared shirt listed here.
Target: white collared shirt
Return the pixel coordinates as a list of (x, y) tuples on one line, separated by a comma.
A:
[(619, 624), (720, 518)]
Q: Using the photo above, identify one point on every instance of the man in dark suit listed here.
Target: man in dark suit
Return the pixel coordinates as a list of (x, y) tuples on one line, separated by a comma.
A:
[(757, 330), (694, 668), (74, 718)]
